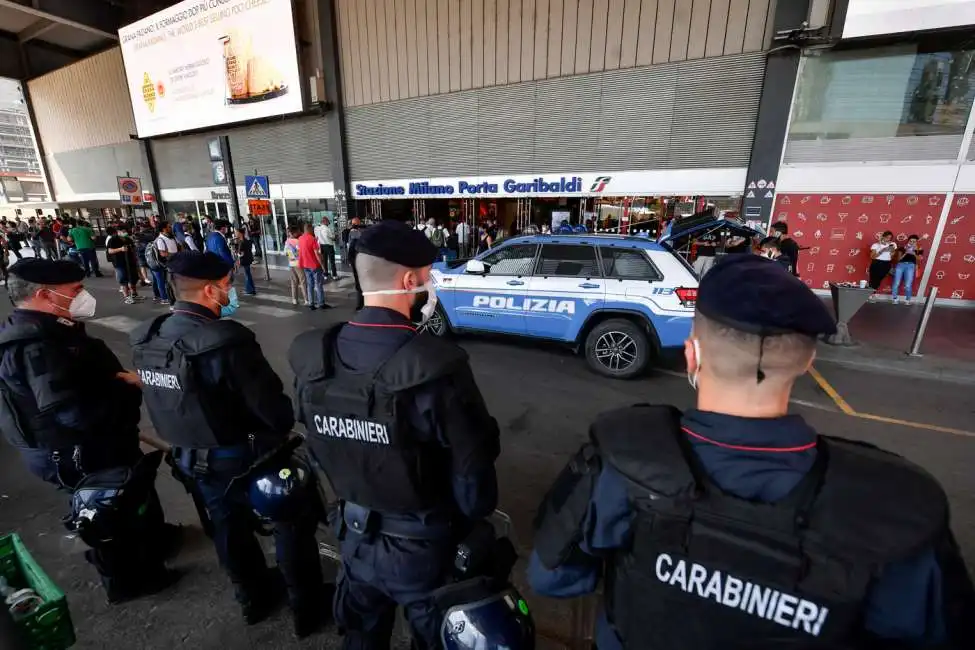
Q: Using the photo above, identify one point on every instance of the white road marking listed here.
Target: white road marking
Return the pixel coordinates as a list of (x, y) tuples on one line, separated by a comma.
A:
[(270, 311), (118, 323), (273, 297)]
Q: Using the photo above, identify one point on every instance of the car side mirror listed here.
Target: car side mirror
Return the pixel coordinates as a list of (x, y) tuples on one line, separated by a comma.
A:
[(475, 267)]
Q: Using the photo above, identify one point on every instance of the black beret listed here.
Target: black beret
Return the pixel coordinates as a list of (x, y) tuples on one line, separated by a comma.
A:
[(757, 295), (397, 242), (51, 272), (200, 266)]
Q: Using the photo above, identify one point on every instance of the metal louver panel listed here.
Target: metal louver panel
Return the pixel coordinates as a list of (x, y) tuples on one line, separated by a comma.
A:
[(292, 151), (928, 147), (92, 170), (636, 111), (715, 108), (676, 115), (505, 129), (567, 127), (183, 162)]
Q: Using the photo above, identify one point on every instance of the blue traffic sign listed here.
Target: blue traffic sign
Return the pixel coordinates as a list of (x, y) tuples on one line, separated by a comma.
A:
[(257, 187)]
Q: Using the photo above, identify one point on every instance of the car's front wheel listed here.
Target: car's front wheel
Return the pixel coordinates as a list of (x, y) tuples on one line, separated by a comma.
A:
[(437, 324), (618, 348)]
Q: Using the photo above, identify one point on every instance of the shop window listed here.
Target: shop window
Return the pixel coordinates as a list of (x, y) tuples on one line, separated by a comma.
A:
[(176, 208), (307, 210), (568, 261), (627, 264), (898, 91), (512, 260)]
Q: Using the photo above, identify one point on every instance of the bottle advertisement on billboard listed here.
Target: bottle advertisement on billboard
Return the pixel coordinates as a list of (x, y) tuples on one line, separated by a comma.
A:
[(203, 63)]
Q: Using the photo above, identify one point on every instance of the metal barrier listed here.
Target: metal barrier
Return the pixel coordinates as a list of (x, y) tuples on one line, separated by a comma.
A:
[(923, 324)]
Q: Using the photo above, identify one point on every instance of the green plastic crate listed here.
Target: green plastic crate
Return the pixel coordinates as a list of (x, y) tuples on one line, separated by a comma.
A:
[(50, 627)]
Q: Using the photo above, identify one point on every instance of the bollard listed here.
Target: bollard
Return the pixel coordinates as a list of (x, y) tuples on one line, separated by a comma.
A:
[(925, 315)]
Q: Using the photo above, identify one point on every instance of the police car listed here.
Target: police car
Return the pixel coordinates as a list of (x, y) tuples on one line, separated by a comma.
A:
[(621, 300)]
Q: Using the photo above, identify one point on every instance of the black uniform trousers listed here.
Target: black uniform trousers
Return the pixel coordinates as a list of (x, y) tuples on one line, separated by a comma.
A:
[(132, 559), (234, 529), (381, 572)]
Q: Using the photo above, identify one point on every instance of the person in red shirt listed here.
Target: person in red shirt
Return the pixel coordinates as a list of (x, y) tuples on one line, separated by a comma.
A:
[(310, 261)]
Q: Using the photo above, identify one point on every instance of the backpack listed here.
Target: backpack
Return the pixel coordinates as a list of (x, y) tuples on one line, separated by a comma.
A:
[(436, 237), (153, 259)]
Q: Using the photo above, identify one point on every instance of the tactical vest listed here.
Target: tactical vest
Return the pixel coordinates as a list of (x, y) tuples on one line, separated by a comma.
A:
[(705, 569), (357, 423), (179, 407), (20, 421)]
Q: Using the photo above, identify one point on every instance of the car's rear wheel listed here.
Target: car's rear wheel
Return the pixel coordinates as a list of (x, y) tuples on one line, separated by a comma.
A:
[(618, 348)]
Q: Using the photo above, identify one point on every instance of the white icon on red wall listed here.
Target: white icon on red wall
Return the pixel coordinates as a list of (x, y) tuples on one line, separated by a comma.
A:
[(912, 200), (854, 252), (885, 218), (962, 202), (863, 218), (928, 219), (825, 200), (907, 219), (805, 199), (847, 200), (799, 234), (810, 267), (843, 216), (934, 200), (957, 220), (830, 267), (818, 234), (951, 239), (801, 216), (964, 276), (890, 199), (945, 258), (970, 259), (850, 269), (814, 250), (940, 275), (833, 252), (958, 294), (786, 200), (860, 235)]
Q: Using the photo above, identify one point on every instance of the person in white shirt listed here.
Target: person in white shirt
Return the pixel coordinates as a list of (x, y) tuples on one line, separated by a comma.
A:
[(166, 245), (463, 233), (326, 242), (880, 254)]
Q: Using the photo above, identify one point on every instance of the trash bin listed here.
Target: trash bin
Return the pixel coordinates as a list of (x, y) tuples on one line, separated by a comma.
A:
[(49, 627), (847, 301)]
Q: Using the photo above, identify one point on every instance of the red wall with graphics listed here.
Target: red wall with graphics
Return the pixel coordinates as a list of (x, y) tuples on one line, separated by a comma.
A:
[(954, 265), (838, 229)]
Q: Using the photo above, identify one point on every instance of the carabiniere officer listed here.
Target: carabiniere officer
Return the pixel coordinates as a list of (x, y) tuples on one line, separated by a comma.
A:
[(212, 395), (397, 422), (734, 525), (72, 410)]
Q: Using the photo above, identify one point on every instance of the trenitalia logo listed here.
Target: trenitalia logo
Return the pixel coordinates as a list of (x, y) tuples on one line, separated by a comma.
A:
[(600, 183)]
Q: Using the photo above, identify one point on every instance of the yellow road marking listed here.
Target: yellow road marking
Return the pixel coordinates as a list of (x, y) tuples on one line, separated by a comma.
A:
[(848, 410), (915, 425), (829, 390)]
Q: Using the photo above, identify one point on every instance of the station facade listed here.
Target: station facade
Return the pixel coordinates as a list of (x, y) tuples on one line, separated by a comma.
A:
[(538, 111)]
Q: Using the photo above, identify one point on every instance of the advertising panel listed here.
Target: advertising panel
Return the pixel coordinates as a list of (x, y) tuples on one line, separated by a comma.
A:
[(875, 17), (835, 231), (954, 264), (203, 63)]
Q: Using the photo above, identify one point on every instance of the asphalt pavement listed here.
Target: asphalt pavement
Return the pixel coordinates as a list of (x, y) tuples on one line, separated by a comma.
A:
[(543, 397)]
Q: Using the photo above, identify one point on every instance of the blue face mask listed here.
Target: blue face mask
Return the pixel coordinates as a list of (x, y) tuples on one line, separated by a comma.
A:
[(228, 310)]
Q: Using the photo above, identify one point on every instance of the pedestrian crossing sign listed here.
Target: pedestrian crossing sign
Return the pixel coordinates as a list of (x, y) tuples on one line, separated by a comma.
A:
[(257, 187)]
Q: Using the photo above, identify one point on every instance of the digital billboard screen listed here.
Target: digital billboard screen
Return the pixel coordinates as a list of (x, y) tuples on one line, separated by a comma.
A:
[(878, 17), (203, 63)]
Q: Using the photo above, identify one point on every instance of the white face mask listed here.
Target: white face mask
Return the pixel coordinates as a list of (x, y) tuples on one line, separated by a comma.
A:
[(82, 305), (693, 377), (428, 308)]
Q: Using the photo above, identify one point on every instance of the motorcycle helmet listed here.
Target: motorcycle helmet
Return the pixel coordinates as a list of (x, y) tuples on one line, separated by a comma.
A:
[(280, 491), (478, 616)]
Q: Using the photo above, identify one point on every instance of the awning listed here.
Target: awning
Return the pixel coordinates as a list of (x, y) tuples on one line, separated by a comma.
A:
[(706, 225)]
